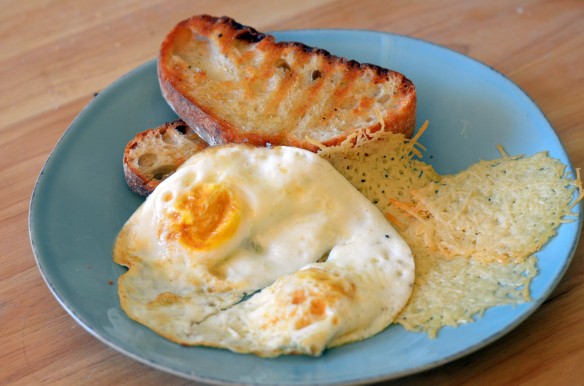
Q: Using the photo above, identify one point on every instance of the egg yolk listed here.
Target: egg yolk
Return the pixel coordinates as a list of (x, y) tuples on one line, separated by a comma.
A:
[(205, 217)]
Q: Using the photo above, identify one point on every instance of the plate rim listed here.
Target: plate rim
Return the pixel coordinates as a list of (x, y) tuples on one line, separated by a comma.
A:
[(33, 202)]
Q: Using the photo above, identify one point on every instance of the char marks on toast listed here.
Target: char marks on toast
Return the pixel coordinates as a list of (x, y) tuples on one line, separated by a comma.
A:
[(231, 83)]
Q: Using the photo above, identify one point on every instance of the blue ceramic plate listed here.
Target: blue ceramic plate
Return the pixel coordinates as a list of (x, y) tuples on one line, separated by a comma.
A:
[(81, 201)]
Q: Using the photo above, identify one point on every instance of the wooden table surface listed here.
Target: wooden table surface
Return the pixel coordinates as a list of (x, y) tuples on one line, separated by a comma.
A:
[(55, 54)]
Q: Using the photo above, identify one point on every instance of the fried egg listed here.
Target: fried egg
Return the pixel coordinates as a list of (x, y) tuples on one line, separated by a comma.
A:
[(261, 250)]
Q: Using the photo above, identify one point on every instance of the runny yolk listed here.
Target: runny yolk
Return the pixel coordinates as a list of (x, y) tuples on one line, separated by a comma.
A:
[(205, 217)]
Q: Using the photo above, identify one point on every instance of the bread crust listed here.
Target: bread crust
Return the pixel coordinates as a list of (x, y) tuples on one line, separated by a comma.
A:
[(141, 178), (224, 33)]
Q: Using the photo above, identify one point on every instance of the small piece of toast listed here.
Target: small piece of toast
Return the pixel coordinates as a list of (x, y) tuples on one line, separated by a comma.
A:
[(156, 153), (231, 83)]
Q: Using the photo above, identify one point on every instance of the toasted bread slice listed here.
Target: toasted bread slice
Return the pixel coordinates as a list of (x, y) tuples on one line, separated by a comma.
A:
[(154, 154), (232, 83)]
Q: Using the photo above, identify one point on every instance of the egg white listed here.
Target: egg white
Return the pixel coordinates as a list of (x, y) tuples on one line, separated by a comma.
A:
[(328, 266)]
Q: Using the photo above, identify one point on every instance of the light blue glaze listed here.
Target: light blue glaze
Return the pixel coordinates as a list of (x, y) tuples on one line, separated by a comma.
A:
[(81, 201)]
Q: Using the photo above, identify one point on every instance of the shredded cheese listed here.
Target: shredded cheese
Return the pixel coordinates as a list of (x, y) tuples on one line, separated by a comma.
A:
[(379, 117), (472, 234), (314, 142), (383, 166), (504, 209)]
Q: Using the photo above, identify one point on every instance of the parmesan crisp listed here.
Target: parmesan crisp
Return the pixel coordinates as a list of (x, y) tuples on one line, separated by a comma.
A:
[(473, 234)]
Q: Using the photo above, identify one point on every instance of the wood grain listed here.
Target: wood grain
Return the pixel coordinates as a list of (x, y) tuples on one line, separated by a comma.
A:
[(55, 54)]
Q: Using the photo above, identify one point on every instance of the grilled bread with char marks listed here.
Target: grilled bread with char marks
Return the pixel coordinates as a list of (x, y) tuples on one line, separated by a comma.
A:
[(231, 83), (154, 154)]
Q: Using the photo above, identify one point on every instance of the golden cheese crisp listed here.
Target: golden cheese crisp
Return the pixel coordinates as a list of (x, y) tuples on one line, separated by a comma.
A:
[(504, 209), (473, 234)]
